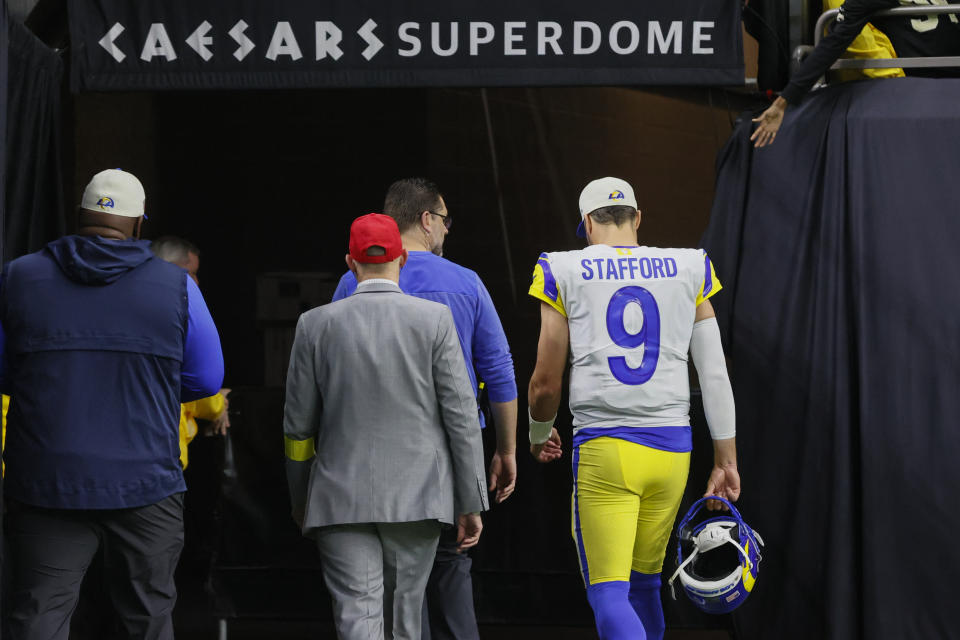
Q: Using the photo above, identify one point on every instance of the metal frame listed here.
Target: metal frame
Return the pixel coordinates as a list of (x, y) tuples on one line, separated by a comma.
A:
[(887, 63)]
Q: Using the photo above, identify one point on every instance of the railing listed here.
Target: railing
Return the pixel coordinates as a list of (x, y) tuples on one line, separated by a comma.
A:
[(887, 63)]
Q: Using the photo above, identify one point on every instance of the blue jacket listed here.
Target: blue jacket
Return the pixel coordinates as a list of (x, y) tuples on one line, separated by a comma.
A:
[(482, 340), (99, 343)]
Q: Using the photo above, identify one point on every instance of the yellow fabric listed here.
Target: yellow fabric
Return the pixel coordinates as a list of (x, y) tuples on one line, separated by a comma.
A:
[(748, 578), (299, 450), (3, 437), (209, 408), (714, 288), (626, 498), (871, 43), (536, 290)]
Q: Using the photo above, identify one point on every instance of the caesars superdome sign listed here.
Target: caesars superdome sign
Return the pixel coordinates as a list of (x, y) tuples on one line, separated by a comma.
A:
[(200, 44)]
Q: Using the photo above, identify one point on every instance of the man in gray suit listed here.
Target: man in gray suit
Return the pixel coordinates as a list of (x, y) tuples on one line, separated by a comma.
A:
[(382, 440)]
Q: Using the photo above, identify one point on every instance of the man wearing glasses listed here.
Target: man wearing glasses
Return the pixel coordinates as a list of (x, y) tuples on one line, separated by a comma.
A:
[(421, 214)]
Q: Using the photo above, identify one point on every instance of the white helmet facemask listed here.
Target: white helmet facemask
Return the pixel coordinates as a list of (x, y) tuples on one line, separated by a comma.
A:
[(717, 578)]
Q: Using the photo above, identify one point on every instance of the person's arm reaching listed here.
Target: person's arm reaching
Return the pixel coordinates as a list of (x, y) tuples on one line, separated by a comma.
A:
[(458, 411), (493, 362), (202, 371), (853, 16), (546, 384), (769, 123), (214, 409), (707, 352), (301, 419)]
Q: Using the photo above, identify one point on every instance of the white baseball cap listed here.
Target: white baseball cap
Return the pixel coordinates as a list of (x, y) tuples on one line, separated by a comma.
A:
[(116, 192), (604, 192)]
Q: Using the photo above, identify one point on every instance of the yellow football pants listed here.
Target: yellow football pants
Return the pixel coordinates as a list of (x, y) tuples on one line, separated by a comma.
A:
[(625, 500)]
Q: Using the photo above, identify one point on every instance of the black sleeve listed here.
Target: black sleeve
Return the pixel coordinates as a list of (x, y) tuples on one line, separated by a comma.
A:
[(855, 14)]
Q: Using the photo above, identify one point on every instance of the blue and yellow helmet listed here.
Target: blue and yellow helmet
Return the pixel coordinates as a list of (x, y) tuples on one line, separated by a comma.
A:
[(718, 559)]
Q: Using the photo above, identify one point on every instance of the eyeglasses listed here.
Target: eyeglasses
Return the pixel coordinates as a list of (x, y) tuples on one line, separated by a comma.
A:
[(447, 219)]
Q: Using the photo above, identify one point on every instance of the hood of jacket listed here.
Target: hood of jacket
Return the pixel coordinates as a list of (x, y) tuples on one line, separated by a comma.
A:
[(94, 260)]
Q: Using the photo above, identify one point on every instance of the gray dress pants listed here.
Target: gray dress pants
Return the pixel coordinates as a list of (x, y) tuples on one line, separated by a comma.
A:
[(376, 574), (448, 612)]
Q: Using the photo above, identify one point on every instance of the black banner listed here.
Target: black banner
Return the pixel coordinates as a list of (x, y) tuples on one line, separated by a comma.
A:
[(248, 44)]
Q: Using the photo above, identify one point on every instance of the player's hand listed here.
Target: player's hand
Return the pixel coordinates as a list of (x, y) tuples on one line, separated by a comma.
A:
[(769, 123), (469, 526), (724, 482), (219, 426), (503, 475), (549, 450)]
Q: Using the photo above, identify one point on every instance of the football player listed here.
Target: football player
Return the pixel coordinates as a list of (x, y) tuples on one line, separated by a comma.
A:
[(628, 316)]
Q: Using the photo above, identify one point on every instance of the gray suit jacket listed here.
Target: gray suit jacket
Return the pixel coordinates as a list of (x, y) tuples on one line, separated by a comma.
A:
[(379, 382)]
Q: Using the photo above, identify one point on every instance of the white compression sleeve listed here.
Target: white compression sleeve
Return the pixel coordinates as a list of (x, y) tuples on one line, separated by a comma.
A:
[(707, 352), (540, 431)]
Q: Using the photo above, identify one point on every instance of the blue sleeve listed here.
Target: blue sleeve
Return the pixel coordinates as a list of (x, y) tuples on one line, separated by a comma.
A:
[(202, 372), (491, 353), (346, 286)]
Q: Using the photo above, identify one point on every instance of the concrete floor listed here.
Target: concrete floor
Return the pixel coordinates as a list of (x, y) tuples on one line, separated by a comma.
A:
[(194, 620)]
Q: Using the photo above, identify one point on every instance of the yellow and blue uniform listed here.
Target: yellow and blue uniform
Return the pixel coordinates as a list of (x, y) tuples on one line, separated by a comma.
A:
[(871, 43), (630, 313), (209, 408)]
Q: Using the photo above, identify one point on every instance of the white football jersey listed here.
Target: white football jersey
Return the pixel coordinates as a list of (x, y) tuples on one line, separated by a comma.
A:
[(630, 311)]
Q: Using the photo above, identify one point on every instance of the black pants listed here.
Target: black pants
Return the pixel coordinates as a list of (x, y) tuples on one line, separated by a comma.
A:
[(448, 612), (51, 549)]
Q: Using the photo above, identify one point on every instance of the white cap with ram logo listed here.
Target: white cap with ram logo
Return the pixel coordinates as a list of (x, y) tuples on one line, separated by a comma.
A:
[(604, 192), (116, 192)]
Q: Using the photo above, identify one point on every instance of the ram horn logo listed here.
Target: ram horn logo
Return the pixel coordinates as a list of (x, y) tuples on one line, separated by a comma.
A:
[(105, 203), (616, 195)]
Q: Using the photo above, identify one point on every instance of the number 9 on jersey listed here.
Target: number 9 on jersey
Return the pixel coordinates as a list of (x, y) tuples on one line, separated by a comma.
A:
[(648, 337)]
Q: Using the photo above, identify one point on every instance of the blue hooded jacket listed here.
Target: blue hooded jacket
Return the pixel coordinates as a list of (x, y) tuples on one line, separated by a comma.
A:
[(100, 341)]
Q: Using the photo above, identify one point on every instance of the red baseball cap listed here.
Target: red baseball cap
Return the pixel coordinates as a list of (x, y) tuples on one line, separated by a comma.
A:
[(375, 230)]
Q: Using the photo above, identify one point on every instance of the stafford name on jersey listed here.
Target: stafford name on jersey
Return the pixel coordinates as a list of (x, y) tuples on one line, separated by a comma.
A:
[(627, 268)]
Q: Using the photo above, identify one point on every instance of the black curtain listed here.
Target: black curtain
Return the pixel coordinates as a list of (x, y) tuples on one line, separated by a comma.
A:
[(4, 57), (4, 83), (837, 246), (34, 212), (769, 22)]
